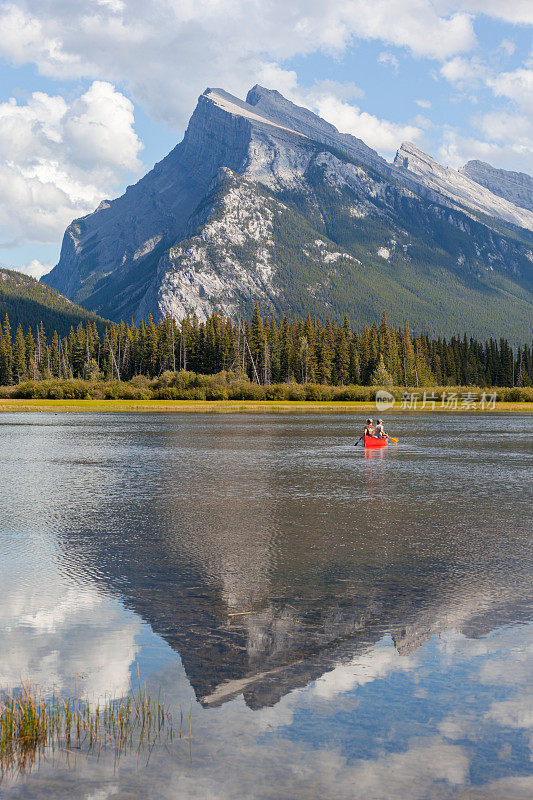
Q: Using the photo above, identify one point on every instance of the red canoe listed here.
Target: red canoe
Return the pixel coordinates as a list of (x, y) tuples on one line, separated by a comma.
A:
[(370, 441)]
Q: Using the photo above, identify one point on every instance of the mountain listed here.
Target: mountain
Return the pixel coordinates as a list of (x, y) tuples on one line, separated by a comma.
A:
[(313, 598), (28, 302), (264, 201), (517, 187), (459, 187)]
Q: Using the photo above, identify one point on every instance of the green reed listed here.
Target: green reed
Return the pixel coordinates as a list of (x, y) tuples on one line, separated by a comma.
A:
[(31, 725)]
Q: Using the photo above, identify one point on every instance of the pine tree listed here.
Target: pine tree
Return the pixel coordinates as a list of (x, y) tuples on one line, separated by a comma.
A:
[(389, 349), (354, 369), (55, 364), (257, 339), (325, 357), (342, 359), (19, 355), (6, 354), (31, 363), (309, 333), (381, 376), (408, 356), (303, 359), (285, 351)]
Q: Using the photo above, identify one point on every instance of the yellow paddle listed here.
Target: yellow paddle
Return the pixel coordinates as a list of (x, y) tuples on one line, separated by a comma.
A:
[(392, 439)]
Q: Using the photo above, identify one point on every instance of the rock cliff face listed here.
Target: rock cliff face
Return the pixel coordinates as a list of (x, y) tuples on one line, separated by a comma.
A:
[(517, 187), (458, 186), (264, 201)]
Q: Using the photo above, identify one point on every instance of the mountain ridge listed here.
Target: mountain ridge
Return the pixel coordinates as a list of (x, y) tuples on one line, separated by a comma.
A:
[(517, 187), (459, 187), (264, 201)]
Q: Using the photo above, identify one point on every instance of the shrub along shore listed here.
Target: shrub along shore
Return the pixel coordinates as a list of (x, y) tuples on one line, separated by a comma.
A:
[(230, 391)]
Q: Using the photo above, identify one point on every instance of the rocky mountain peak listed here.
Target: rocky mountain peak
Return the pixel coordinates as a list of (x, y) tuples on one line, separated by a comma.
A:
[(272, 103), (265, 201), (410, 156), (517, 187), (440, 182), (232, 105)]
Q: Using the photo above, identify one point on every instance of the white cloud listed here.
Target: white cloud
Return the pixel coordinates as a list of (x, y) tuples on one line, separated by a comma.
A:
[(60, 637), (381, 134), (507, 131), (421, 122), (504, 127), (507, 46), (514, 713), (390, 60), (169, 52), (35, 268), (99, 130), (464, 71), (377, 662), (456, 149), (413, 25), (342, 91), (507, 139), (284, 80), (423, 103), (114, 5), (58, 160), (516, 85), (518, 11)]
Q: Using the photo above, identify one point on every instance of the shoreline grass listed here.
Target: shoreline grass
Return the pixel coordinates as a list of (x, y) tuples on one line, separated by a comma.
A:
[(236, 406), (32, 725)]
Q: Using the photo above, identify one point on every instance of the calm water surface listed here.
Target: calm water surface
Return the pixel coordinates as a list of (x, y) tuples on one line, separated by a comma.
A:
[(343, 624)]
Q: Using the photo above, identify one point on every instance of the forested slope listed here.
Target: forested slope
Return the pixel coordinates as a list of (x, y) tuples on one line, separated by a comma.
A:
[(28, 303)]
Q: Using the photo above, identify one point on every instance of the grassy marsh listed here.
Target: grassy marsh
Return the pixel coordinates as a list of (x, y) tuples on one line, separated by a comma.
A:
[(227, 406), (33, 726)]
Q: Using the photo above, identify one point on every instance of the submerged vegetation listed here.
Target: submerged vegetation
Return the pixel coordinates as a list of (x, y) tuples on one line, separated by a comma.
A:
[(33, 726)]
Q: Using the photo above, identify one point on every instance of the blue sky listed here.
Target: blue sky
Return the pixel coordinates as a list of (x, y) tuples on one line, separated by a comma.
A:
[(94, 92)]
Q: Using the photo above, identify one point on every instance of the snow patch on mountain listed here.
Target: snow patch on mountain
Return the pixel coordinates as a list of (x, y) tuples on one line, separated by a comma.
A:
[(357, 212)]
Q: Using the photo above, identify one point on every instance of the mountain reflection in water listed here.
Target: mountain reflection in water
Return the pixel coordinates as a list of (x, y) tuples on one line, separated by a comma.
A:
[(268, 552)]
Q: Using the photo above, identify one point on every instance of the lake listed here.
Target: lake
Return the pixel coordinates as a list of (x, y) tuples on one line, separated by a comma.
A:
[(336, 623)]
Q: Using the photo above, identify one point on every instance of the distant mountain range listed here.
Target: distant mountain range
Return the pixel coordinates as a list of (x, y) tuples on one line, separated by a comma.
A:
[(264, 201), (28, 303), (517, 187)]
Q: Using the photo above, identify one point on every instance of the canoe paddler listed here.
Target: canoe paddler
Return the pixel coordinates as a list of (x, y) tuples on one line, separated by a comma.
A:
[(380, 430), (369, 428)]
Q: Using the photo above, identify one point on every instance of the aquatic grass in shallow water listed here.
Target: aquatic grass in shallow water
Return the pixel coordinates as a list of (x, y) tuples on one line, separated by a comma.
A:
[(32, 726)]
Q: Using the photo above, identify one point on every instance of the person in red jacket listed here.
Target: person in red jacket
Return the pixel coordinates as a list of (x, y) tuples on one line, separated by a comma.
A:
[(369, 428)]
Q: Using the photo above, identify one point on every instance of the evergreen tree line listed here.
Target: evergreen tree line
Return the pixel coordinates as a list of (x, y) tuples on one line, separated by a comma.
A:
[(266, 350)]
